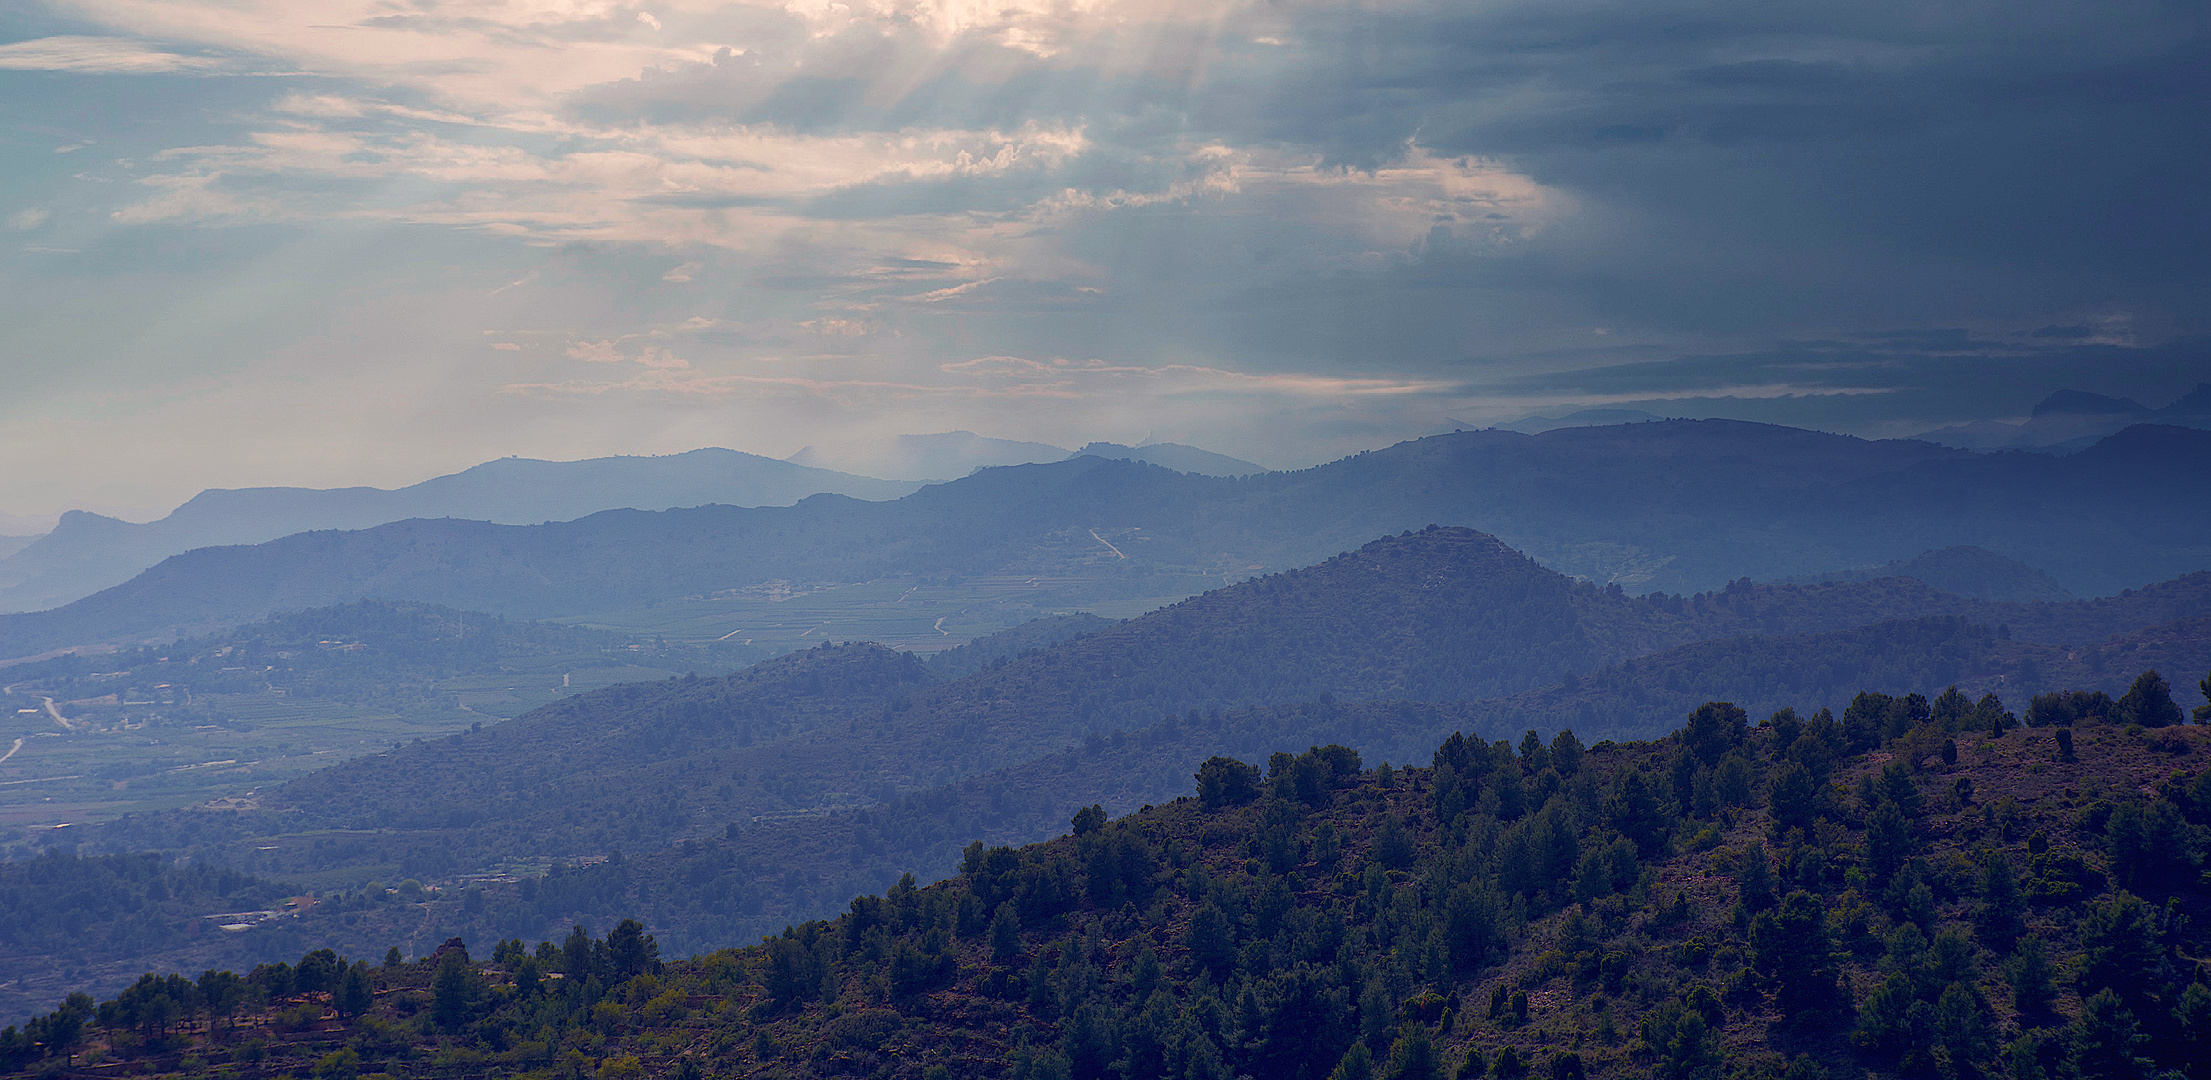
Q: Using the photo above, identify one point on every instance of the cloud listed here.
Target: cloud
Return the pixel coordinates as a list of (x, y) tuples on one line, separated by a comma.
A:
[(28, 218), (1064, 377), (101, 56), (1266, 226)]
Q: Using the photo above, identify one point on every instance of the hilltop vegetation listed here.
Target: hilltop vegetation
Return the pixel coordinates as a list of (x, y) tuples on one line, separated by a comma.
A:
[(1679, 505), (1444, 614), (806, 779), (731, 884), (1913, 887)]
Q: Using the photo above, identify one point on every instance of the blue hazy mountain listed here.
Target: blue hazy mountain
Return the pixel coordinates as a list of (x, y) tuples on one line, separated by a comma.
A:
[(1965, 570), (946, 455), (87, 552), (2070, 420), (1176, 456), (1536, 425)]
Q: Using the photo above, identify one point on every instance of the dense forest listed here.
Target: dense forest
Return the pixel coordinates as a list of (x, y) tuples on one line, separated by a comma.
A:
[(733, 805), (1440, 615), (1917, 885)]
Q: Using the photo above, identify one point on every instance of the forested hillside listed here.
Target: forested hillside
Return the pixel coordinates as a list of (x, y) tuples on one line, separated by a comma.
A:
[(730, 884), (1918, 886), (1681, 505), (800, 743), (731, 887)]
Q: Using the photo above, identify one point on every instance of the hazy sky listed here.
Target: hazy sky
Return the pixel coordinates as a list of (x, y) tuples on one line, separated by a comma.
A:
[(366, 241)]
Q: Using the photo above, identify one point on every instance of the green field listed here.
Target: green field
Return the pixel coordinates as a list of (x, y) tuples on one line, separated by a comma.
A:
[(114, 758), (112, 755), (903, 613)]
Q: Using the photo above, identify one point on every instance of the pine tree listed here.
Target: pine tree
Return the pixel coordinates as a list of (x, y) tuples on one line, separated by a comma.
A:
[(2028, 972), (2149, 702), (1998, 916), (1413, 1057), (1357, 1064), (2107, 1043), (456, 990), (1005, 935)]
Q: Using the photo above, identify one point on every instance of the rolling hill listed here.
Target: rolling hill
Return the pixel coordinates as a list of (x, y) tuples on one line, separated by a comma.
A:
[(807, 742), (1877, 894), (1683, 502), (88, 552)]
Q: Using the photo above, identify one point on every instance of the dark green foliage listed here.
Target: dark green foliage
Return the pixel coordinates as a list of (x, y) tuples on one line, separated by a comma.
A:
[(1634, 810), (2067, 708), (1005, 935), (1226, 782), (1714, 729), (1088, 820), (2107, 1041), (2152, 850), (1997, 917), (457, 991), (1684, 1041), (2120, 950), (355, 991), (55, 1034), (2149, 702), (2028, 972), (1790, 947), (1188, 940), (140, 905), (1357, 1064), (1413, 1057)]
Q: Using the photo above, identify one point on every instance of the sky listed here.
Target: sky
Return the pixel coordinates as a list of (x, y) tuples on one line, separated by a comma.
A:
[(332, 242)]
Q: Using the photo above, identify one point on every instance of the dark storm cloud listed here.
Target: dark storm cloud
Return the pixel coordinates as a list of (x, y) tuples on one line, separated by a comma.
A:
[(2036, 135), (1740, 168)]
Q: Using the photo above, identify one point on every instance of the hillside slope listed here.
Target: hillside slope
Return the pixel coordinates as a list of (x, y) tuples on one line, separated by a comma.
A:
[(1810, 896), (88, 552), (1965, 570), (1674, 505), (1444, 615)]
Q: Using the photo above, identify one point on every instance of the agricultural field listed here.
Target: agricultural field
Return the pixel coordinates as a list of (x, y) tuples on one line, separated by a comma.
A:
[(911, 614), (85, 739)]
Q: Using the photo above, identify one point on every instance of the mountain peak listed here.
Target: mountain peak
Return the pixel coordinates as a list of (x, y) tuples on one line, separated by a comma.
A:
[(2195, 403), (1176, 456), (2083, 403)]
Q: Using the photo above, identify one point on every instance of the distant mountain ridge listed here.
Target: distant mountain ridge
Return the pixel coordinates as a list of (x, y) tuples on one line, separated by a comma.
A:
[(1965, 570), (88, 552), (1175, 456), (946, 455), (1679, 505), (1536, 425), (951, 455), (1441, 615), (2073, 419)]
